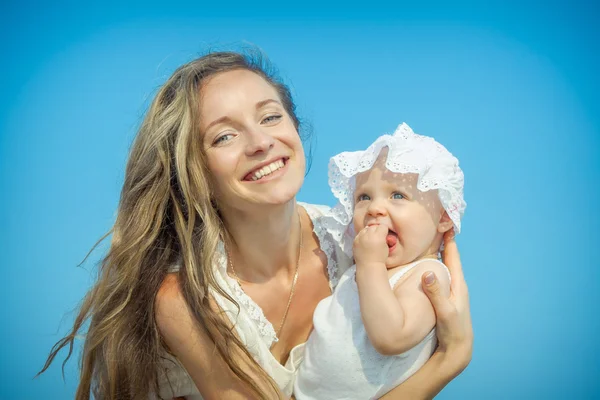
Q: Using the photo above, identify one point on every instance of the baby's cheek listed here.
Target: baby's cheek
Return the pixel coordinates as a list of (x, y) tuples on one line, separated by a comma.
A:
[(357, 221)]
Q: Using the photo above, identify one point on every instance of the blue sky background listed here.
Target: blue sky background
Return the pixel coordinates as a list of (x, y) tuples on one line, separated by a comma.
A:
[(512, 89)]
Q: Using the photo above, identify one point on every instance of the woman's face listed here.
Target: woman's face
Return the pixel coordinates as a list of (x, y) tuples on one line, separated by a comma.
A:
[(253, 149)]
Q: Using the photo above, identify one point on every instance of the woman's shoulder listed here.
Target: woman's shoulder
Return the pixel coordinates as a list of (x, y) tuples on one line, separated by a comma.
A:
[(169, 290), (169, 303)]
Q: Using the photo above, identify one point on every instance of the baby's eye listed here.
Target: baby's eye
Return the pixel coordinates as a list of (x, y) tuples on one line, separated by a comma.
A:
[(362, 197), (397, 196)]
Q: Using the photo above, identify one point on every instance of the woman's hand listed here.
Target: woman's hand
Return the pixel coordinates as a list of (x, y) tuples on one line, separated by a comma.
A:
[(454, 328)]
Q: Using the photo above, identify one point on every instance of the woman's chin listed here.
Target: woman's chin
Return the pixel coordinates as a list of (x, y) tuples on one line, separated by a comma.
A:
[(282, 193), (279, 196), (276, 196)]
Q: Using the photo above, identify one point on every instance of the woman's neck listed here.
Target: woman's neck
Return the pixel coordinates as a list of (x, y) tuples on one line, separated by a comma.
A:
[(264, 242)]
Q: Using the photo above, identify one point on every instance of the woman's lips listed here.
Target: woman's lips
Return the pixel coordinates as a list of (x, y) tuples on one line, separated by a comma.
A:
[(250, 177)]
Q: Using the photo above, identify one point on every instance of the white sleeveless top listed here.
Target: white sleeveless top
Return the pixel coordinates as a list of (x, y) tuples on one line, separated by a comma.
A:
[(339, 360), (253, 328)]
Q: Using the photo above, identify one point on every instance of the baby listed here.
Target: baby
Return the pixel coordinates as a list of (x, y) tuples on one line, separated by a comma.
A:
[(396, 201)]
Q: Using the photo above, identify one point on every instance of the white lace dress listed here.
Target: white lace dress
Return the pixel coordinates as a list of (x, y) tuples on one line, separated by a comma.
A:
[(255, 331)]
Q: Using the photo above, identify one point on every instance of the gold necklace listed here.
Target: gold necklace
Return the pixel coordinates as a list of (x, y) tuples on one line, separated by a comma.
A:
[(292, 289)]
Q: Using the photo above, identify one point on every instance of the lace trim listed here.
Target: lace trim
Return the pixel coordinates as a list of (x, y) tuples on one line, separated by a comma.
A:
[(265, 328), (327, 246)]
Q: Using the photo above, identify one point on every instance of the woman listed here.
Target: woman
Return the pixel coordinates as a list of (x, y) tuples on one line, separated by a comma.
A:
[(214, 269)]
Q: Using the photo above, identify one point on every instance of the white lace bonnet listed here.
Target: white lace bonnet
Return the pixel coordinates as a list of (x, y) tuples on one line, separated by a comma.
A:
[(408, 152)]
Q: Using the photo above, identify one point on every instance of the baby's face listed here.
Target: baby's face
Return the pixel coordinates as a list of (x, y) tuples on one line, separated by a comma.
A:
[(412, 217)]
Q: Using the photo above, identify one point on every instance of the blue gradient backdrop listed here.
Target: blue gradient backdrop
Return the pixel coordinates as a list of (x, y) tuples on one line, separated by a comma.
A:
[(512, 90)]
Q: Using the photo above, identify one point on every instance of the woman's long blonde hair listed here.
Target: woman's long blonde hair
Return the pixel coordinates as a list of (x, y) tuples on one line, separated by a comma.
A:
[(166, 216)]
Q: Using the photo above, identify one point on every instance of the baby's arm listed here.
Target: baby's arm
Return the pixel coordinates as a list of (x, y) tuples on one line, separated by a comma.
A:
[(395, 320), (381, 313), (419, 315)]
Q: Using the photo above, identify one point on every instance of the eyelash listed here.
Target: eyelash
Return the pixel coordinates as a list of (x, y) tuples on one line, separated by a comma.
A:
[(362, 197), (275, 116), (267, 120), (220, 140)]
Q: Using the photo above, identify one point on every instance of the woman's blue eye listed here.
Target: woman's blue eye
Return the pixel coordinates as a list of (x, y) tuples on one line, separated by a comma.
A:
[(271, 118), (363, 197), (223, 138), (397, 196)]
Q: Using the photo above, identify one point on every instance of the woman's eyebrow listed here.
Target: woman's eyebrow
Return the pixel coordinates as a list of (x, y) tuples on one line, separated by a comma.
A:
[(263, 103), (217, 121), (260, 104)]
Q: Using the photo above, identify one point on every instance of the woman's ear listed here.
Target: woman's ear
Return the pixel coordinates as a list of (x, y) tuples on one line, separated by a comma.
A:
[(445, 223)]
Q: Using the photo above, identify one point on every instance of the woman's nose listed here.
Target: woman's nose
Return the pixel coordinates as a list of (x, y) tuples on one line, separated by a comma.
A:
[(258, 142)]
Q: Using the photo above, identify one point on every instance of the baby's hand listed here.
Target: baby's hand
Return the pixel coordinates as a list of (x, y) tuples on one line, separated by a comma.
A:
[(370, 247)]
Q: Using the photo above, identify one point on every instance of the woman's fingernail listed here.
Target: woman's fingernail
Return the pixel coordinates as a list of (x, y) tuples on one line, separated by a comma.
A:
[(429, 278)]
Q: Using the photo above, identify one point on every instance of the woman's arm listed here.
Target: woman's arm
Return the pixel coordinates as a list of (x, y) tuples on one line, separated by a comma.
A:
[(454, 331), (429, 380), (197, 352)]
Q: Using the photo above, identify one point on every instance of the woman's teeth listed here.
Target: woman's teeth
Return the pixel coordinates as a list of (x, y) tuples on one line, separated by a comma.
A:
[(267, 169)]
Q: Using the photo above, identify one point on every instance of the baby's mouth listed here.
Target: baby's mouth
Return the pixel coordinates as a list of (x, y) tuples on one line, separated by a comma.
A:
[(391, 239)]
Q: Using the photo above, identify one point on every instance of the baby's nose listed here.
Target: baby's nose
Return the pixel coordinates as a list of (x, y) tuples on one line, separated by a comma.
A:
[(377, 208)]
